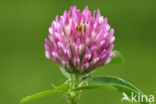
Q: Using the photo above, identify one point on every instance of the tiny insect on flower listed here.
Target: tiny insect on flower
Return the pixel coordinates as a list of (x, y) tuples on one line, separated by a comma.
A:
[(80, 28), (79, 41)]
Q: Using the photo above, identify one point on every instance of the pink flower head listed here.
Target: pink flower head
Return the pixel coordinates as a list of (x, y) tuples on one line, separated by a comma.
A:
[(79, 41)]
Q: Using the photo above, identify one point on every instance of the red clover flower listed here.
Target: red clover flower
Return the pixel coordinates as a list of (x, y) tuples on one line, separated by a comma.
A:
[(80, 42)]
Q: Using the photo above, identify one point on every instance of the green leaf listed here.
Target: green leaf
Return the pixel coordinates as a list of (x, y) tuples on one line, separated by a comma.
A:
[(65, 87), (88, 87), (109, 82), (53, 85), (118, 58), (65, 73), (41, 94)]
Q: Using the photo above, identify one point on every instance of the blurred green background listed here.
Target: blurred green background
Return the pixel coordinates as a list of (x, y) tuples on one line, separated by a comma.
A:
[(24, 70)]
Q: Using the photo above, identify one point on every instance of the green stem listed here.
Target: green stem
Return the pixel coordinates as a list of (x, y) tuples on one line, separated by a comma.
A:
[(73, 95), (76, 81)]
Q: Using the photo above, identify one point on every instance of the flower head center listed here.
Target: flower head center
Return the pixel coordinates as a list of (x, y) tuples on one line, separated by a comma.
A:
[(81, 27)]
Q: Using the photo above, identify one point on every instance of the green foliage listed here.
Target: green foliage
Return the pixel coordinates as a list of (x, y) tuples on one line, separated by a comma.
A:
[(53, 85), (109, 82), (65, 87), (118, 58), (65, 73), (103, 82), (41, 94)]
